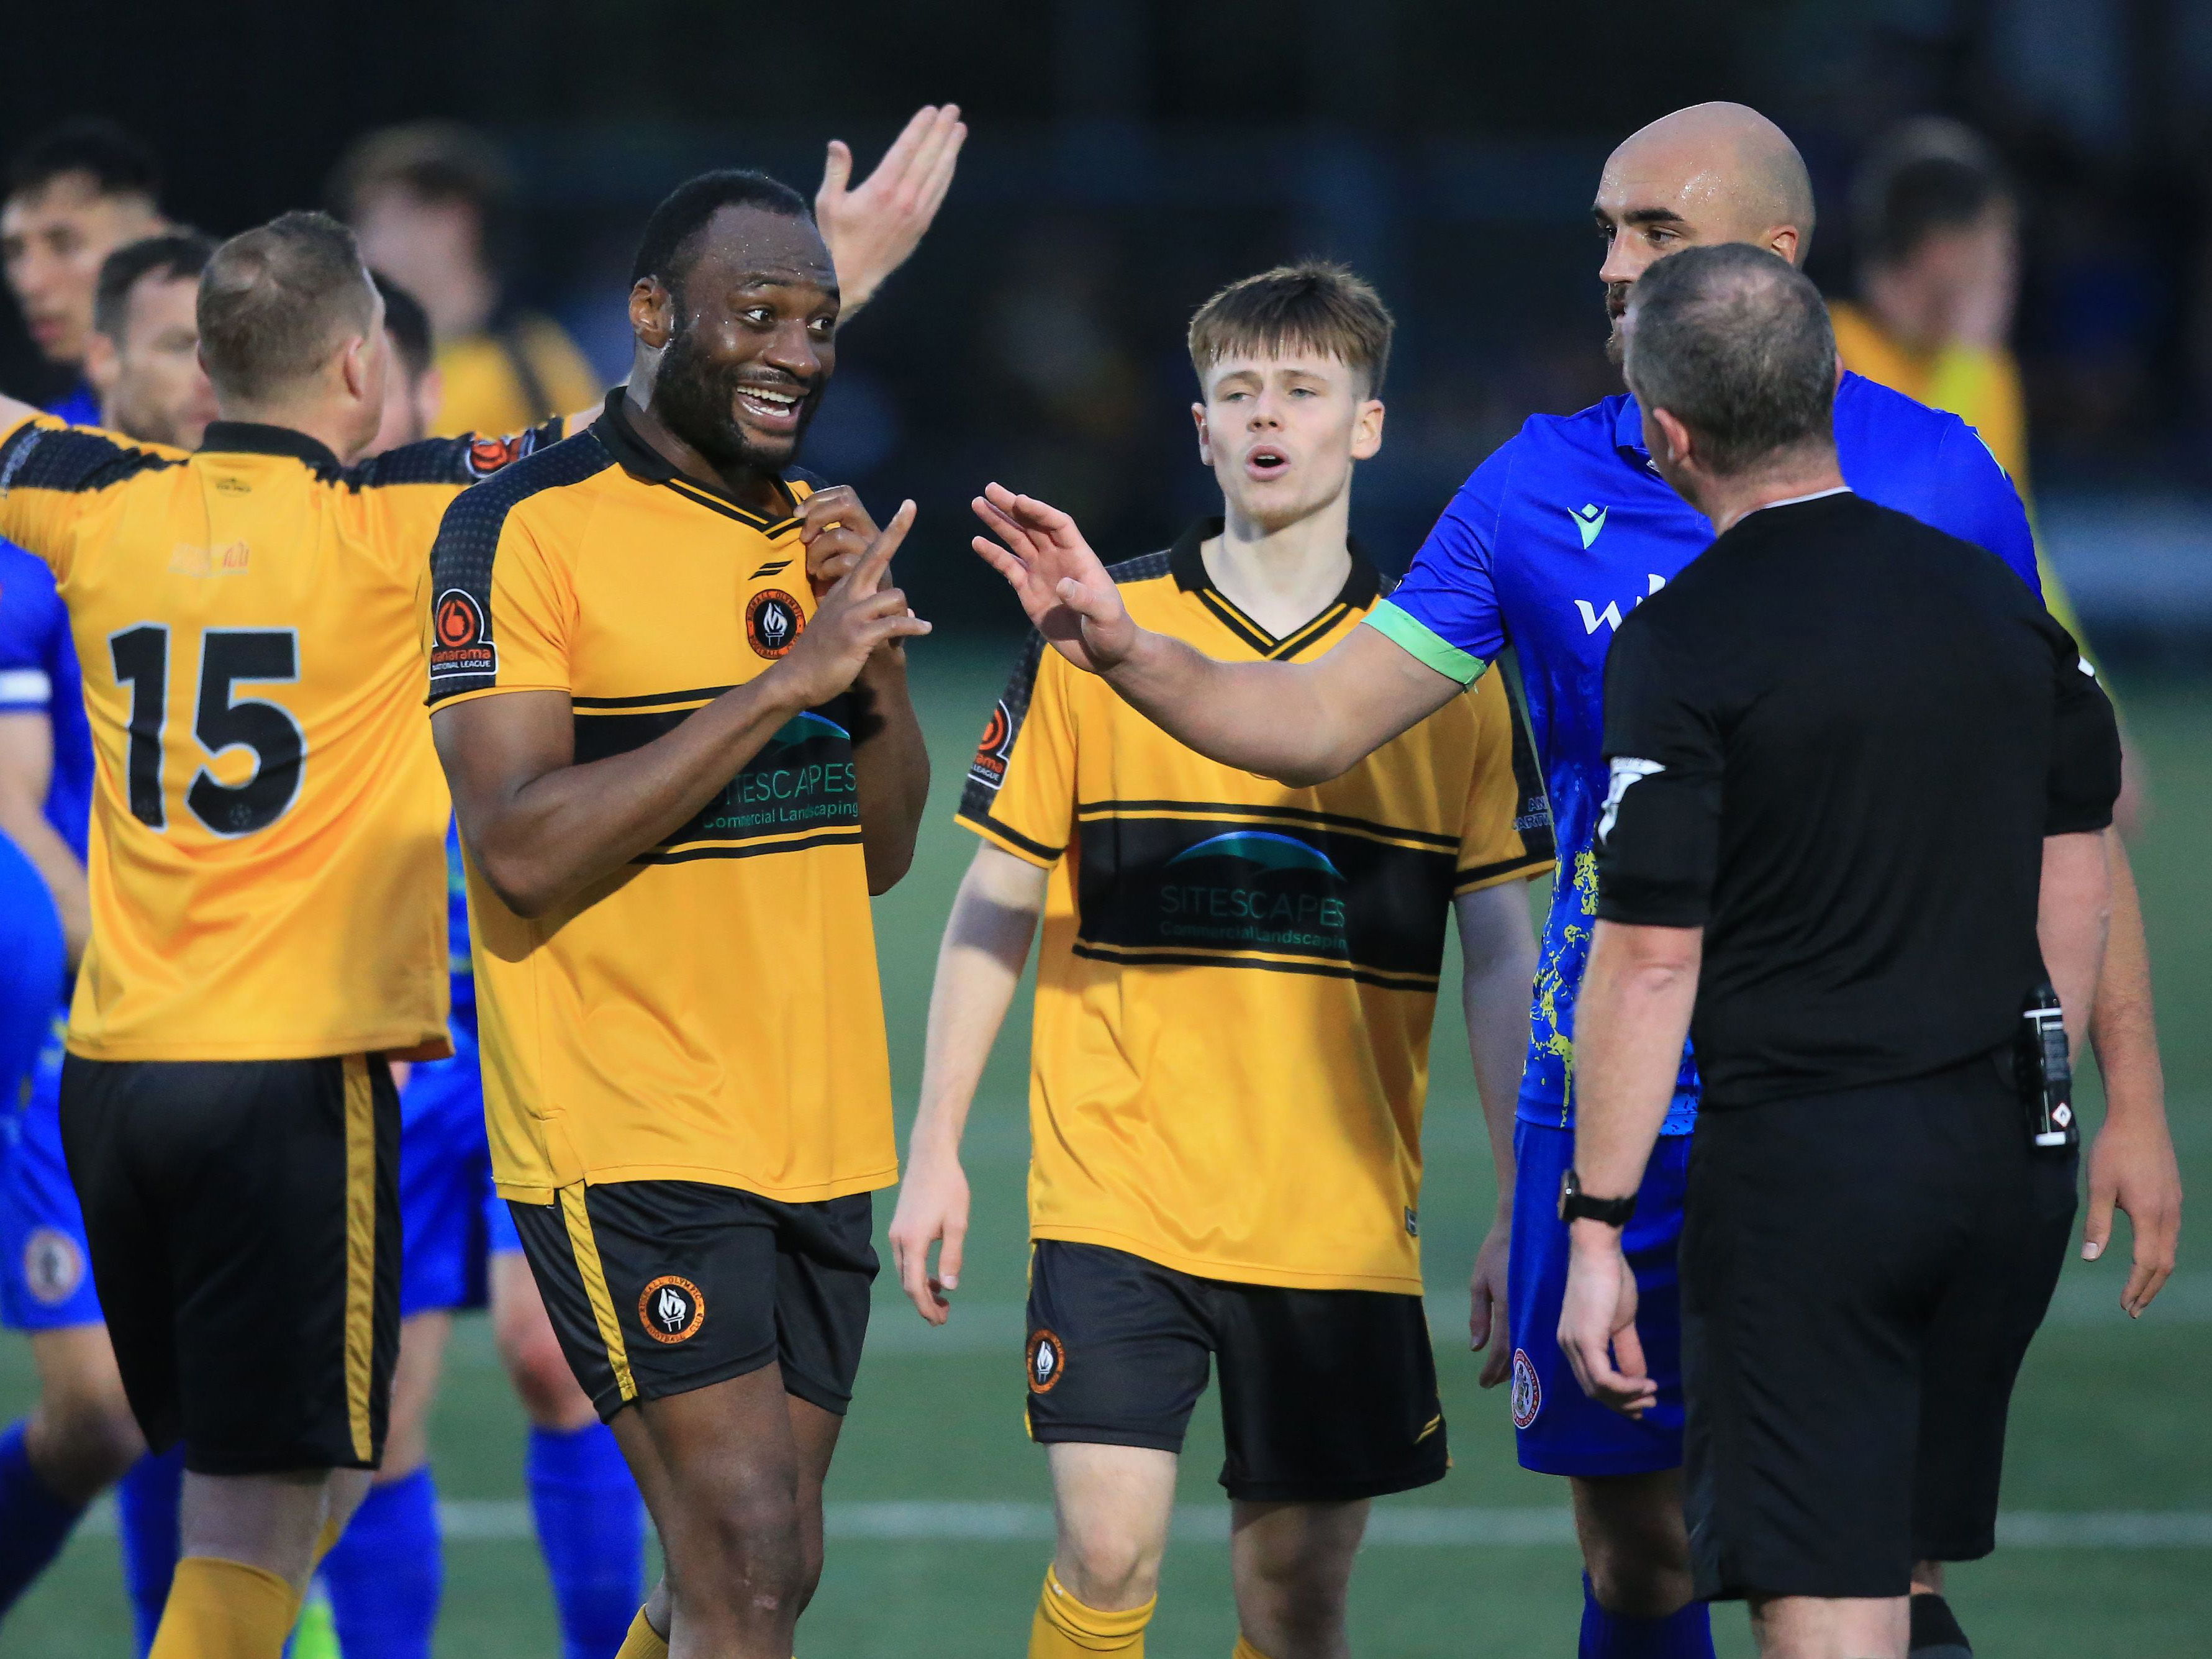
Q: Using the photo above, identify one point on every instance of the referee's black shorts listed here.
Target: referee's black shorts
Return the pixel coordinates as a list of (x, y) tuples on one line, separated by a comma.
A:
[(1327, 1395), (243, 1219), (1861, 1273)]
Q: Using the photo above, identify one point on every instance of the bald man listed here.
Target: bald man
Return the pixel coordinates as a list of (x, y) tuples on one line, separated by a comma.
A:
[(1551, 542)]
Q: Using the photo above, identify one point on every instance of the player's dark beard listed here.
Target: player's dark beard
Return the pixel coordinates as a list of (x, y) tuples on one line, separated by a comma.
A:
[(1616, 307), (698, 402)]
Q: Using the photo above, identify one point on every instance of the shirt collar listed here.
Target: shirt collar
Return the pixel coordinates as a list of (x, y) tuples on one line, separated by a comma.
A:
[(1363, 585), (256, 438), (641, 460), (1628, 429)]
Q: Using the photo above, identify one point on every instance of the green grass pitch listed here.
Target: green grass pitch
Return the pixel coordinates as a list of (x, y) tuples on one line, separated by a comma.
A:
[(2109, 1421)]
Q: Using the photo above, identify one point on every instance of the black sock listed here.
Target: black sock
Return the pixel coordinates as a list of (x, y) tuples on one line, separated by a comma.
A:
[(1935, 1632)]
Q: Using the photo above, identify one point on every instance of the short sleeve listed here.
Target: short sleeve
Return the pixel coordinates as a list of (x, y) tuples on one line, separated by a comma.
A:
[(31, 615), (1976, 501), (1020, 793), (1658, 833), (51, 474), (1507, 832), (2085, 744), (1445, 612), (502, 609)]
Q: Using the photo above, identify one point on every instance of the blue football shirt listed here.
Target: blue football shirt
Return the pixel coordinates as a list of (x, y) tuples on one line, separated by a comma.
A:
[(1561, 534), (38, 676)]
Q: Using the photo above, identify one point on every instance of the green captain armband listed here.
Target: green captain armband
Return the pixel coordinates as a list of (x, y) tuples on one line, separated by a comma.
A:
[(1423, 643)]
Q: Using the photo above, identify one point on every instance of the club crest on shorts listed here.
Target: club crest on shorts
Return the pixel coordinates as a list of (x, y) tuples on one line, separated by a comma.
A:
[(672, 1310), (773, 622), (1047, 1362), (53, 1267), (1528, 1392)]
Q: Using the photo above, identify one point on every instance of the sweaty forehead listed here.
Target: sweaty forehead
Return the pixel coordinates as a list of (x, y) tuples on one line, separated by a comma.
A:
[(744, 245), (1698, 182)]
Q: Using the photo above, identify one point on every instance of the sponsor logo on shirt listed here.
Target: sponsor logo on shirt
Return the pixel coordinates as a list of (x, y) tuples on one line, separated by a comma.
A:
[(1611, 615), (1627, 770), (461, 646), (989, 765), (1590, 519), (229, 560)]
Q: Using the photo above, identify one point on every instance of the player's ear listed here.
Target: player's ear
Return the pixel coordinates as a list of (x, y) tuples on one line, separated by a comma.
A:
[(1786, 242), (103, 364), (1673, 433), (1205, 438), (652, 314), (1367, 430)]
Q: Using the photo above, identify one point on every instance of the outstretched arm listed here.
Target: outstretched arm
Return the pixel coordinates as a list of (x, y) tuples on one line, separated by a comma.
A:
[(870, 230), (1300, 723)]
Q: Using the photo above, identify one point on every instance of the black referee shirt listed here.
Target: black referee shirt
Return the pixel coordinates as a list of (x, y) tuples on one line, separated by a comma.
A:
[(1838, 740)]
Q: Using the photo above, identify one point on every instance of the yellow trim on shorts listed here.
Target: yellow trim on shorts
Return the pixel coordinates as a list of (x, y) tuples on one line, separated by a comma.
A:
[(360, 1251), (594, 1278)]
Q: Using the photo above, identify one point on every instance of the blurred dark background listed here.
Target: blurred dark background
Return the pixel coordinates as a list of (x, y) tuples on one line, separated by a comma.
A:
[(1127, 157)]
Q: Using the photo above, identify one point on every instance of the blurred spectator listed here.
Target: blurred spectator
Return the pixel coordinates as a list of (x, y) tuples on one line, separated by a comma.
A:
[(1937, 233), (430, 204), (74, 194)]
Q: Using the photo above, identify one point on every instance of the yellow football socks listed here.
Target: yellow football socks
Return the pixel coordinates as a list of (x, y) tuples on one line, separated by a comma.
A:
[(643, 1642), (220, 1609), (1065, 1629), (1245, 1650)]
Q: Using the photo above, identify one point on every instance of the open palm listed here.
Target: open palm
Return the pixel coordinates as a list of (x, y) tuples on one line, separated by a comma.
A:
[(1059, 582)]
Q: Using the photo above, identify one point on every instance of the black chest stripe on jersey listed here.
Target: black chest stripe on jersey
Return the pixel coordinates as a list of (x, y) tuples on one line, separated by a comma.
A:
[(1238, 892), (798, 791)]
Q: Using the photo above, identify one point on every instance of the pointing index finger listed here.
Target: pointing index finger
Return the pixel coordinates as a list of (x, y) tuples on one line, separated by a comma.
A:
[(877, 558)]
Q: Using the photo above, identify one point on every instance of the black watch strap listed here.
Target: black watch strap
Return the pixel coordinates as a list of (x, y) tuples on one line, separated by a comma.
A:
[(1575, 1204)]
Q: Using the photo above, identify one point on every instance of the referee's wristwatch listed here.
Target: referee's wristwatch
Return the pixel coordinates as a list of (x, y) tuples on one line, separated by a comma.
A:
[(1575, 1204)]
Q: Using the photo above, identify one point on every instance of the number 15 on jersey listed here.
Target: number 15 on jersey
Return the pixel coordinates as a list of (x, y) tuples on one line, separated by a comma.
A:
[(220, 721)]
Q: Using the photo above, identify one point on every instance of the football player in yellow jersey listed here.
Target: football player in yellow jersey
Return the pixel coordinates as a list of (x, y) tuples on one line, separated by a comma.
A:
[(266, 880), (679, 775), (1234, 1000)]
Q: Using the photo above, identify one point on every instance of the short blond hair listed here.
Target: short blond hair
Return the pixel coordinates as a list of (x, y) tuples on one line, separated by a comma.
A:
[(1315, 306)]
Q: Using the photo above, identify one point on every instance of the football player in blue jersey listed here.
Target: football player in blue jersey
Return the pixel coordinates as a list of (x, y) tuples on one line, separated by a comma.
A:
[(1552, 541), (142, 359)]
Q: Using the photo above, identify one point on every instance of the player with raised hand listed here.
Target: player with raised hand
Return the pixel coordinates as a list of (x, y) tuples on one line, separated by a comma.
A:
[(1546, 546), (872, 227), (1198, 1191), (266, 897), (678, 782)]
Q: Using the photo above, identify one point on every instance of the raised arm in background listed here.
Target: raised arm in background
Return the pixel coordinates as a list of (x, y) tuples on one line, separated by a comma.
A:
[(872, 227), (979, 963), (1298, 722)]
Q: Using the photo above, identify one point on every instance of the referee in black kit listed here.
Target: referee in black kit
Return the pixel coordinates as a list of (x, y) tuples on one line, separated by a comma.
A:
[(1852, 843)]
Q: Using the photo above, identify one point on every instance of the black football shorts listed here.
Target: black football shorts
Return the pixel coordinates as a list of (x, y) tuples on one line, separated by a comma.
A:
[(659, 1287), (243, 1219), (1327, 1396), (1861, 1273)]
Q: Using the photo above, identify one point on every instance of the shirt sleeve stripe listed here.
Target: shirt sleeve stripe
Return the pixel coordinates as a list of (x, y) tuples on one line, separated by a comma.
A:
[(1007, 840), (21, 688), (1423, 643)]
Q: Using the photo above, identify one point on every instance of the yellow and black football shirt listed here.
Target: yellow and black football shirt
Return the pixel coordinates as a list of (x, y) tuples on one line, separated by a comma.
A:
[(710, 1011), (1237, 978), (268, 816)]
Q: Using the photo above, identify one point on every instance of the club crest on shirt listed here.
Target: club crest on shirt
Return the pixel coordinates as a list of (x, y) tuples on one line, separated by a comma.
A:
[(989, 765), (672, 1310), (1528, 1392), (773, 622), (489, 455), (53, 1266), (1047, 1362)]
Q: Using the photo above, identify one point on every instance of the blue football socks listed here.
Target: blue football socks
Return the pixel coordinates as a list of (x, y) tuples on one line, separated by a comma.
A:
[(590, 1526), (1686, 1633), (35, 1524), (146, 1501), (388, 1573)]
